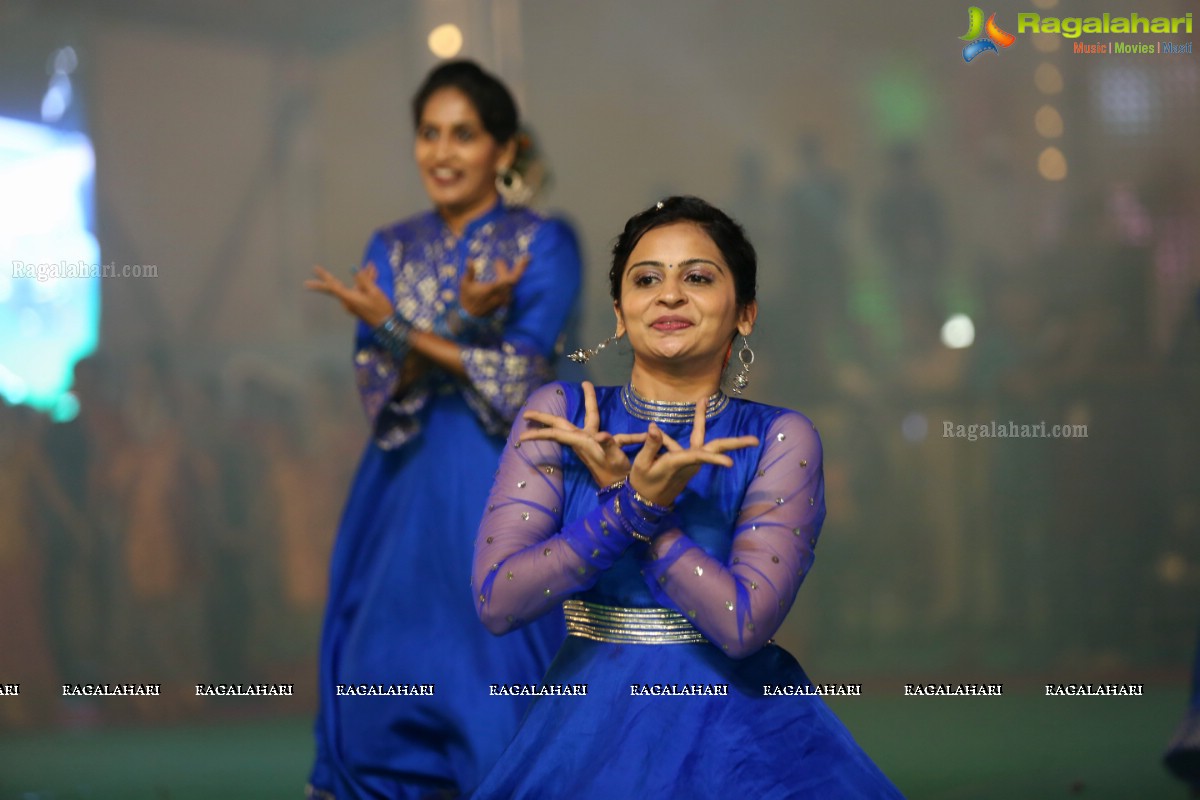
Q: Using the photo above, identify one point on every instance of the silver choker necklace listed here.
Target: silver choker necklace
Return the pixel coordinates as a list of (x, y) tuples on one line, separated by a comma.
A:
[(669, 412)]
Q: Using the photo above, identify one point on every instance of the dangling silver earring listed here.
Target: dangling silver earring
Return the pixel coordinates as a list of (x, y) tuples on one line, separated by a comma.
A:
[(511, 187), (583, 355), (746, 356)]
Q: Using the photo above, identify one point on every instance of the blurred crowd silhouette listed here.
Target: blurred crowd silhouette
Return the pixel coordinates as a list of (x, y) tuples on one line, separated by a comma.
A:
[(176, 532), (1010, 555)]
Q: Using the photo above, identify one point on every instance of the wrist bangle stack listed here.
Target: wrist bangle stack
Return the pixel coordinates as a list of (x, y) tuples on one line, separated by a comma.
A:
[(640, 518), (650, 506), (626, 524), (393, 335), (605, 492)]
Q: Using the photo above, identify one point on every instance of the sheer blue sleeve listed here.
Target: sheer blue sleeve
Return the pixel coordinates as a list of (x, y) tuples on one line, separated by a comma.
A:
[(740, 603), (502, 375), (526, 560)]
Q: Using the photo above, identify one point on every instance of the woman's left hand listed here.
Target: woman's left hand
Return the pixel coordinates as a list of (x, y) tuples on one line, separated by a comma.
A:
[(364, 299), (599, 450), (660, 477), (480, 298)]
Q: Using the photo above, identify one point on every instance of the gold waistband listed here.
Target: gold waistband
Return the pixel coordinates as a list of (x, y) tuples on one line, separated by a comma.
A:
[(618, 625)]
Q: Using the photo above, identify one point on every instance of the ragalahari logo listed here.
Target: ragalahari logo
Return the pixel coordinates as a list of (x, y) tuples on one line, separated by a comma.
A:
[(992, 38)]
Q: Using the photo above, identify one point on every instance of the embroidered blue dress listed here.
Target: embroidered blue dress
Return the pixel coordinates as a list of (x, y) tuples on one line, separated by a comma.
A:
[(686, 694), (402, 652)]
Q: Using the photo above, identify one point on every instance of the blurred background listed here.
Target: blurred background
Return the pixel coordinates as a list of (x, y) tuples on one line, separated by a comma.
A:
[(1013, 239)]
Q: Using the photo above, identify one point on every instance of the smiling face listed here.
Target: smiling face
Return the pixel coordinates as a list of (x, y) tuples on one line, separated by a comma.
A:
[(457, 157), (678, 304)]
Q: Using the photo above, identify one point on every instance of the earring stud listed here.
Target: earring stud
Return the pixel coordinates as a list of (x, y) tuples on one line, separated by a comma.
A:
[(583, 355)]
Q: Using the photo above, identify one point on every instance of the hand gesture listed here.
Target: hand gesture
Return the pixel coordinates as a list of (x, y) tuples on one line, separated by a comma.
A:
[(660, 477), (364, 299), (480, 298), (598, 450)]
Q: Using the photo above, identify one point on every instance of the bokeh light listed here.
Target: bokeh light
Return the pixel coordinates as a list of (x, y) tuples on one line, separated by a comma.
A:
[(1046, 42), (1048, 122), (1052, 164), (958, 332), (445, 41), (1048, 79)]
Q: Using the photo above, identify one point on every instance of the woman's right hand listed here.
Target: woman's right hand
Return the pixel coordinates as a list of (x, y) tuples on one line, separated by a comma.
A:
[(364, 299), (599, 450), (659, 477), (480, 298)]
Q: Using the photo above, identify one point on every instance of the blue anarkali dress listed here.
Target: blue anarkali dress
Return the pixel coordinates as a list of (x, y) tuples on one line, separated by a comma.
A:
[(402, 652), (686, 695)]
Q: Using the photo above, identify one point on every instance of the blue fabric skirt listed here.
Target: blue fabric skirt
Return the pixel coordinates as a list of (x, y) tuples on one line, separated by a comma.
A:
[(610, 744), (400, 613)]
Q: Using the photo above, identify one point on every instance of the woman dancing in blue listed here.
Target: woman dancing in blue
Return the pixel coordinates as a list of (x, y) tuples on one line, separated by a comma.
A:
[(674, 569), (460, 310)]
